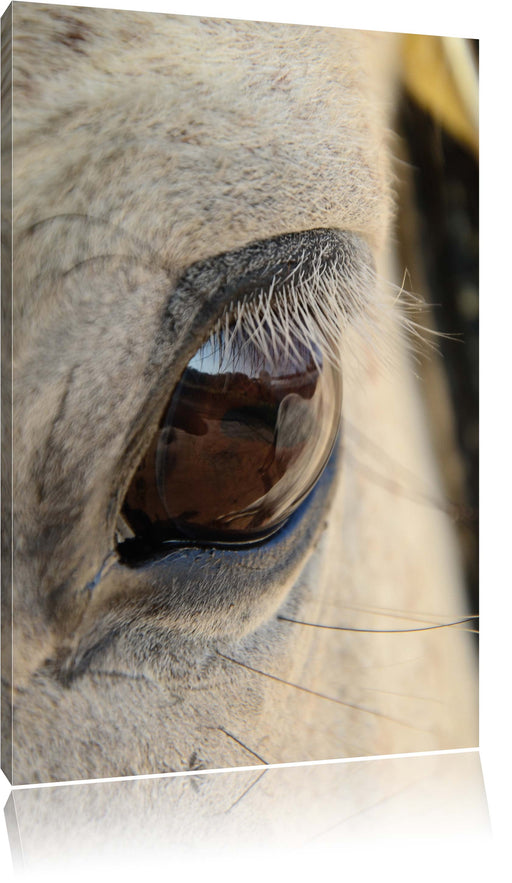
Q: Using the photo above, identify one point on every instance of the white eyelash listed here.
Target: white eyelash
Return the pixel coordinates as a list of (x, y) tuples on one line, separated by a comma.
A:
[(315, 310)]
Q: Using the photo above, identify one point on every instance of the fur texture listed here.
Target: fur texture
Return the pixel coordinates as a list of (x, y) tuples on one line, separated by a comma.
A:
[(146, 148)]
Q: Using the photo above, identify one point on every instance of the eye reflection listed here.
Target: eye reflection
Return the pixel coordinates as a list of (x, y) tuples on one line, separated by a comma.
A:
[(245, 437)]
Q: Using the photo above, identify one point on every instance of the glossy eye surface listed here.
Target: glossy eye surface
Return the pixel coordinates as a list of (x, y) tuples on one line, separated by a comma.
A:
[(246, 435)]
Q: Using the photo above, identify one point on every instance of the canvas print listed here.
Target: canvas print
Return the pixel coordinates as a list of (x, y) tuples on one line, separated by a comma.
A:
[(239, 355)]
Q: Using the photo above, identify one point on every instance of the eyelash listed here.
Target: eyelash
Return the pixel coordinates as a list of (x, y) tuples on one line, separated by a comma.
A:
[(310, 310), (316, 310)]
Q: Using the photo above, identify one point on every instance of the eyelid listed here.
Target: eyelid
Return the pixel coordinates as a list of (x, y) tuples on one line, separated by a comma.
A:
[(192, 590), (224, 280), (329, 274)]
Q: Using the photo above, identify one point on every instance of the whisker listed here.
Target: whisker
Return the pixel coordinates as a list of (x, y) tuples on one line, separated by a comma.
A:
[(343, 628), (402, 695), (243, 745), (317, 694), (208, 725), (244, 793), (360, 439), (399, 613), (410, 302), (461, 514), (387, 798), (382, 666)]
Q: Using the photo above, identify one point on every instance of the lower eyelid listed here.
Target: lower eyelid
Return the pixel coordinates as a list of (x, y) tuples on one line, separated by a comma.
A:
[(202, 593)]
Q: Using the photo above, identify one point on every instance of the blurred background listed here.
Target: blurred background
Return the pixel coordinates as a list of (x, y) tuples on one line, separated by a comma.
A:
[(438, 179)]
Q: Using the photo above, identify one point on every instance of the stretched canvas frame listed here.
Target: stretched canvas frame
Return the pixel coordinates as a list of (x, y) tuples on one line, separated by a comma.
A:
[(145, 193)]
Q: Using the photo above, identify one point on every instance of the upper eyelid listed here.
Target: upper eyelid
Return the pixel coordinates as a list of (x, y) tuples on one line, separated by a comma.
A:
[(235, 275), (227, 281)]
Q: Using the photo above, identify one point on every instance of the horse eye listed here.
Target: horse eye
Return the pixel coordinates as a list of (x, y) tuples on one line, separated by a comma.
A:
[(246, 434)]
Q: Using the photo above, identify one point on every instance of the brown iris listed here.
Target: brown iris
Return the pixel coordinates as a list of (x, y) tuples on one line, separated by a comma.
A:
[(245, 437)]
